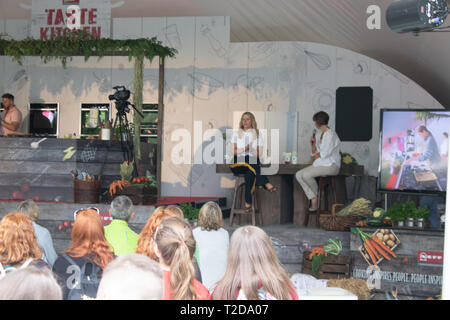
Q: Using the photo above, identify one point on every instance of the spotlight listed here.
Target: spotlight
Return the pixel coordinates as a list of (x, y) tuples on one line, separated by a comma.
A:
[(416, 15)]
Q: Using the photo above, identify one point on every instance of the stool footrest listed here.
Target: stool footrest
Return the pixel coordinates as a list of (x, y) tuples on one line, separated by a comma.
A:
[(242, 211)]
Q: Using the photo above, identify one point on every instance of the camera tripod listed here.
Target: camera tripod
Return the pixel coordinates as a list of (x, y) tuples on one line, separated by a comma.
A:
[(124, 132)]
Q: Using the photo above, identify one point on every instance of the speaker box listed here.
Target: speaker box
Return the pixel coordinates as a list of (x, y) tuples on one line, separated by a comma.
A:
[(354, 113)]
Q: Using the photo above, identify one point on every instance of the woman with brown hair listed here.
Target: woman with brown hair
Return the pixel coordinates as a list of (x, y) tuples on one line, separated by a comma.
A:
[(18, 243), (146, 239), (253, 270), (175, 246), (247, 147), (326, 151), (89, 250)]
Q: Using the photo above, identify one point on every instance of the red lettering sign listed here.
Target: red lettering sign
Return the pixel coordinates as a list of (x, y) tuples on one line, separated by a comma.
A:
[(71, 2), (430, 257), (92, 16), (44, 33)]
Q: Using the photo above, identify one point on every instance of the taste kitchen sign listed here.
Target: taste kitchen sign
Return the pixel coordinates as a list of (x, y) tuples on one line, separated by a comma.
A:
[(53, 18)]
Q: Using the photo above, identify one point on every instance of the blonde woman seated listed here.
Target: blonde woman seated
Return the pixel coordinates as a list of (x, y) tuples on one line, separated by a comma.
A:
[(212, 244), (247, 148), (327, 158)]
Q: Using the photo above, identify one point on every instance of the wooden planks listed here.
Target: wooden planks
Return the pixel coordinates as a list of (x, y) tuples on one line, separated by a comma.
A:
[(29, 173), (333, 267)]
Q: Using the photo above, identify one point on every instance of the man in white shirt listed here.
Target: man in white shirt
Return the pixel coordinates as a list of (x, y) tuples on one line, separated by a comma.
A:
[(327, 155)]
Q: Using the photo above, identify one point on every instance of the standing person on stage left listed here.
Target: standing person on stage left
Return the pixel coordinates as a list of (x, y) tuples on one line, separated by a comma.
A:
[(11, 117)]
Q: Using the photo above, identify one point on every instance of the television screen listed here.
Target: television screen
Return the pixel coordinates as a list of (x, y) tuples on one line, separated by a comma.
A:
[(44, 118), (414, 150)]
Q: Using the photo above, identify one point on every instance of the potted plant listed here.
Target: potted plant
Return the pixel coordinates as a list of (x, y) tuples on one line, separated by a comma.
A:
[(410, 212), (190, 213), (397, 214), (421, 214)]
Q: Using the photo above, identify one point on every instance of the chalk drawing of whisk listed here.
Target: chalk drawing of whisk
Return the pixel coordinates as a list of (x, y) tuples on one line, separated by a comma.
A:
[(323, 62)]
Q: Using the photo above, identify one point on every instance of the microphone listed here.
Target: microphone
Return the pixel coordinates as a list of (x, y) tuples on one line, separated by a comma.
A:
[(314, 132)]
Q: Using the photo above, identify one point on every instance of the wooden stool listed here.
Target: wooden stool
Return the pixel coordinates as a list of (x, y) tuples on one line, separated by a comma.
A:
[(239, 189), (324, 183)]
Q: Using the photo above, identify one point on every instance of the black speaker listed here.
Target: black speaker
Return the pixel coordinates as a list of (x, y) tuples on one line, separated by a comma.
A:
[(354, 113)]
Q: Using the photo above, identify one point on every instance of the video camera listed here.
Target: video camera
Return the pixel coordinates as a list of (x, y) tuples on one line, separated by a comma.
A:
[(121, 96)]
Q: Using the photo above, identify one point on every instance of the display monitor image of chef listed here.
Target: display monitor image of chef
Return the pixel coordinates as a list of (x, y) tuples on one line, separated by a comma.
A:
[(11, 117), (430, 149)]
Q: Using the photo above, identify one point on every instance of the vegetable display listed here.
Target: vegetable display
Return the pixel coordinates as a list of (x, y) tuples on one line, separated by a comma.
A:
[(82, 175), (359, 207), (117, 184), (378, 246), (317, 255)]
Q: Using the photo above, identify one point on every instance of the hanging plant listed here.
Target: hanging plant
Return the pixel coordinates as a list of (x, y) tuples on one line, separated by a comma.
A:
[(82, 43)]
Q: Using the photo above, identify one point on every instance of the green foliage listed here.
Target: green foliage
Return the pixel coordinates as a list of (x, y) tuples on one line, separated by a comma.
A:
[(333, 246), (422, 213), (82, 43), (316, 263), (402, 211), (189, 211), (126, 170), (151, 181)]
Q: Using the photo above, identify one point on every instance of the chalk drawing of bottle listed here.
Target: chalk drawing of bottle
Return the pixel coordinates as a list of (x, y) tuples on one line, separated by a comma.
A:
[(173, 36), (213, 42)]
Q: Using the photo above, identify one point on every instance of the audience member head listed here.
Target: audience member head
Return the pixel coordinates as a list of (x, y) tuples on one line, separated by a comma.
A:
[(320, 119), (30, 209), (210, 216), (176, 210), (147, 236), (30, 283), (445, 135), (252, 262), (131, 277), (18, 242), (122, 208), (88, 238), (175, 247)]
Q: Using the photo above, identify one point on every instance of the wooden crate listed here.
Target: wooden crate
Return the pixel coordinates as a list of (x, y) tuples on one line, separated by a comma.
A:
[(139, 194), (333, 267)]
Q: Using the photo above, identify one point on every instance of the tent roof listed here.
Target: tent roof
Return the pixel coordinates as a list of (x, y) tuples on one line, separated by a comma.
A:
[(340, 23)]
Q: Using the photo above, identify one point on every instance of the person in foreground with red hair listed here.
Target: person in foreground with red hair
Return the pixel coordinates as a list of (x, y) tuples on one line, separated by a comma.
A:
[(18, 243), (89, 250)]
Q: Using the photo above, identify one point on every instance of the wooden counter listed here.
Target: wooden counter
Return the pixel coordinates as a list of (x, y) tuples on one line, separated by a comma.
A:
[(290, 204)]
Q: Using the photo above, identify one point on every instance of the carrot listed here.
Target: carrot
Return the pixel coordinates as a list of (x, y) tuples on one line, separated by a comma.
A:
[(370, 254), (383, 246), (372, 249), (377, 247)]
